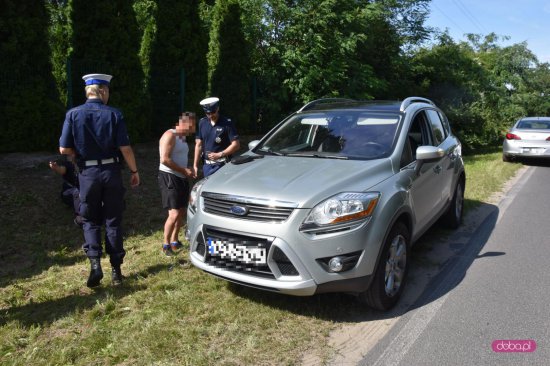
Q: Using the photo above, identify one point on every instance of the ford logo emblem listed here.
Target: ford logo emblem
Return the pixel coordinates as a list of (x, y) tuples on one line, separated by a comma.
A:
[(239, 210)]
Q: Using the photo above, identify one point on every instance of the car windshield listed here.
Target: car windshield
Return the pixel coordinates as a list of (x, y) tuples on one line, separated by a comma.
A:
[(533, 125), (334, 134)]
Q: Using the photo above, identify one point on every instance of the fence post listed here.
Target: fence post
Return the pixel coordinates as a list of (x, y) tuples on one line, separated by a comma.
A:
[(182, 90), (69, 83), (253, 120)]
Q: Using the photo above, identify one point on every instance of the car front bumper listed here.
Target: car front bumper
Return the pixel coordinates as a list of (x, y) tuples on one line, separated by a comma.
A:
[(293, 264)]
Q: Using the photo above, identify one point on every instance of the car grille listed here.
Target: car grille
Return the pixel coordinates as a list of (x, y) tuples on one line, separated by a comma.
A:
[(252, 209)]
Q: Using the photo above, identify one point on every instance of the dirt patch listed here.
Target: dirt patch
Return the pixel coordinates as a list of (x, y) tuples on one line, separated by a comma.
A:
[(26, 160)]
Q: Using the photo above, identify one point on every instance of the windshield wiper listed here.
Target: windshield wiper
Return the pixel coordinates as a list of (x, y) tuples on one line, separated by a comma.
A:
[(271, 152), (316, 155)]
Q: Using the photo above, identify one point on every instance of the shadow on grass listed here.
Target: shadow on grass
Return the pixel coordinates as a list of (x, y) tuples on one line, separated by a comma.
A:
[(47, 312), (37, 229), (464, 246)]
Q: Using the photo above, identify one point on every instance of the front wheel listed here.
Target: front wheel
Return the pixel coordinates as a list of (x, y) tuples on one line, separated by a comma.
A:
[(389, 279)]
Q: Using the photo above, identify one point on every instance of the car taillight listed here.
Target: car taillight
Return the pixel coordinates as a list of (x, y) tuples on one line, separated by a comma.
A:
[(548, 138), (511, 136)]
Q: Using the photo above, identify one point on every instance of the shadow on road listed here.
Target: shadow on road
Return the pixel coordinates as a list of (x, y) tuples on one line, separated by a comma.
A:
[(536, 162)]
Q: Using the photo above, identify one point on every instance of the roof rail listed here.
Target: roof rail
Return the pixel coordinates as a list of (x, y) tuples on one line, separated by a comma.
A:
[(410, 100), (323, 101)]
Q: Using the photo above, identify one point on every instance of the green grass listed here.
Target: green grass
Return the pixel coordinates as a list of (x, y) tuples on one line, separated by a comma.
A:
[(166, 313), (486, 174)]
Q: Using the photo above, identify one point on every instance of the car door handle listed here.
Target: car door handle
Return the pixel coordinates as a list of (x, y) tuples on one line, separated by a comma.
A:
[(437, 169)]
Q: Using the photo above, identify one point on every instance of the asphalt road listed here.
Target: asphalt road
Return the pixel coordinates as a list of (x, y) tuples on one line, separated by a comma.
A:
[(496, 288)]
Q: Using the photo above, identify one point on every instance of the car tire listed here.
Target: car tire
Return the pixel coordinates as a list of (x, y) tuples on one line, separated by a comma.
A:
[(506, 158), (391, 272), (453, 216)]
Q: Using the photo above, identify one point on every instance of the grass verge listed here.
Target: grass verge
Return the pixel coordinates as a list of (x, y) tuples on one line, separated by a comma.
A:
[(486, 174)]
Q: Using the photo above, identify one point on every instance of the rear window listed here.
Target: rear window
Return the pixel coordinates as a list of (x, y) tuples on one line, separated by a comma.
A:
[(533, 125)]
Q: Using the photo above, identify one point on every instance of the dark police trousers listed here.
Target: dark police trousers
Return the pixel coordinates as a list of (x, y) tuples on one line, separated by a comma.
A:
[(209, 169), (102, 201)]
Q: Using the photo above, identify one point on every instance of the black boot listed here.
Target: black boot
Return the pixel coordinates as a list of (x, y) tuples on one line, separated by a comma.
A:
[(96, 274), (116, 275)]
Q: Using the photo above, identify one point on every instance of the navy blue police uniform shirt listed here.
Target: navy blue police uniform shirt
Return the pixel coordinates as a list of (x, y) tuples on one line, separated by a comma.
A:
[(224, 129), (95, 131)]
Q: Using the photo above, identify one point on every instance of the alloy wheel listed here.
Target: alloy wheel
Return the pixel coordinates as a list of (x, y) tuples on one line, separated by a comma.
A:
[(395, 265)]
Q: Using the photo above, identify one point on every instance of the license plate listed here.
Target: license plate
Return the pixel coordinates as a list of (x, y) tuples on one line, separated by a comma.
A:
[(237, 252), (533, 150)]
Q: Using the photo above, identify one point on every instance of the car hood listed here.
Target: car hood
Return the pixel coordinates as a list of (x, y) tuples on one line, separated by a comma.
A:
[(305, 181)]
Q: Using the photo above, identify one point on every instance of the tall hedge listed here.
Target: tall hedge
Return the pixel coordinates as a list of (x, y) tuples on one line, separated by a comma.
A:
[(106, 39), (229, 64), (146, 11), (178, 61), (60, 34), (30, 109)]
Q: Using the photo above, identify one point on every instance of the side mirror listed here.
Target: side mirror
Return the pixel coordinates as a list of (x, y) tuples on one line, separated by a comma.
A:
[(253, 144), (427, 153)]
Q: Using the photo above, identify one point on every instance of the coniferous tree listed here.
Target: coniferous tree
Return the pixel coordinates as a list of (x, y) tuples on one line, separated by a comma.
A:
[(178, 62), (30, 109), (146, 11), (106, 39), (59, 30), (229, 63)]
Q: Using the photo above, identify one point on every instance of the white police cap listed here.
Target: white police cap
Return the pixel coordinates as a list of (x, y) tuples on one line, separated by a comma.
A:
[(97, 79), (210, 104)]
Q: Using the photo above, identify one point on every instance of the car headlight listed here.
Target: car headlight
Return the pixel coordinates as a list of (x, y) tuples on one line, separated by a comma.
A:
[(195, 194), (342, 208)]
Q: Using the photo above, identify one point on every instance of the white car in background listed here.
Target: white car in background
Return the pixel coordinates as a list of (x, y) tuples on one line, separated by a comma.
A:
[(528, 138)]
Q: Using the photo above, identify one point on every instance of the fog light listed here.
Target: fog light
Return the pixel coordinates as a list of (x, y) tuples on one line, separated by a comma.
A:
[(336, 264)]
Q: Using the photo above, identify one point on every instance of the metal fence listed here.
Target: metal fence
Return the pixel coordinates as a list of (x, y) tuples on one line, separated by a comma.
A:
[(167, 91)]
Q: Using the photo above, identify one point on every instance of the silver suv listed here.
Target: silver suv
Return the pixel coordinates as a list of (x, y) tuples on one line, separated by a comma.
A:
[(330, 200)]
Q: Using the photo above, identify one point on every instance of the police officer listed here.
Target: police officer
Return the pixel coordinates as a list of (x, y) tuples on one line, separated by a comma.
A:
[(95, 135), (69, 189), (216, 139)]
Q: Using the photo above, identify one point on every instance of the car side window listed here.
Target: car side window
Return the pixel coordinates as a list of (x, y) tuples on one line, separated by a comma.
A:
[(407, 154), (419, 134), (445, 121), (439, 132)]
